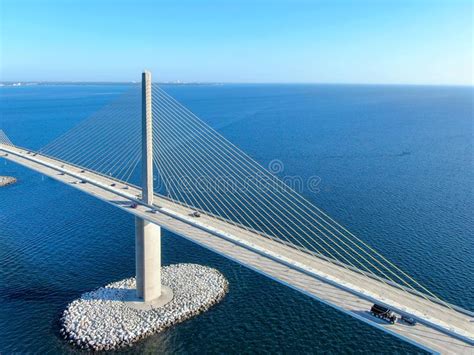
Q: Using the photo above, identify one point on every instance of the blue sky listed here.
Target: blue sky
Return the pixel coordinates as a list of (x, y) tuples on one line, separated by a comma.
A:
[(378, 41)]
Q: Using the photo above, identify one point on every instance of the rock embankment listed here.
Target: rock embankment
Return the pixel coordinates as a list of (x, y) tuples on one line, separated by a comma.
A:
[(100, 320), (6, 180)]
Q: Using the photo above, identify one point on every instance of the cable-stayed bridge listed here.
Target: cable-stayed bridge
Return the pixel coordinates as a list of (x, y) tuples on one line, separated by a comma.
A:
[(148, 155)]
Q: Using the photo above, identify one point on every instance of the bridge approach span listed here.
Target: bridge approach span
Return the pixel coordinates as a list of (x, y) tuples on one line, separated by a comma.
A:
[(439, 328)]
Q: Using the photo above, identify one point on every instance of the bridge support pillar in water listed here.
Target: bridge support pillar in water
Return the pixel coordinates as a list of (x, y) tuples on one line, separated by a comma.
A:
[(148, 259)]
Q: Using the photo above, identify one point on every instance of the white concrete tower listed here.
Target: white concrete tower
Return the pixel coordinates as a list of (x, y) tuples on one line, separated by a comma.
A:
[(147, 235)]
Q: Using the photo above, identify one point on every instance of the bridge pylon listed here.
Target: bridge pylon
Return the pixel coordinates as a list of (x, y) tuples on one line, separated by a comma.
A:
[(147, 234)]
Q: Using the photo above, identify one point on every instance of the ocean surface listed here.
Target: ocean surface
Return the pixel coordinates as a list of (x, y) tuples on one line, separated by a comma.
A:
[(395, 165)]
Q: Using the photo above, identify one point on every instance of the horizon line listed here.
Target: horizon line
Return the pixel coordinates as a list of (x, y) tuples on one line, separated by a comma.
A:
[(178, 82)]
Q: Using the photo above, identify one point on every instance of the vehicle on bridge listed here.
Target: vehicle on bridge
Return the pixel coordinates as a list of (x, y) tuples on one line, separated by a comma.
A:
[(409, 320), (383, 313)]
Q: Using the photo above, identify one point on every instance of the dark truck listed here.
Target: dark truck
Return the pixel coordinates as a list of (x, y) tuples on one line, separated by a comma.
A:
[(383, 313)]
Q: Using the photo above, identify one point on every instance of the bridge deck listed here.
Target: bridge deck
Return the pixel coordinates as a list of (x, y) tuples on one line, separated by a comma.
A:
[(439, 329)]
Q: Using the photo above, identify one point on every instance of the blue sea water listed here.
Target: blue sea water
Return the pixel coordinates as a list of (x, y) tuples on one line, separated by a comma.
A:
[(395, 165)]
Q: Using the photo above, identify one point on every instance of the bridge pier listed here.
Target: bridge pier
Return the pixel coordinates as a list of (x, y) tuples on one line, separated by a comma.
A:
[(147, 259)]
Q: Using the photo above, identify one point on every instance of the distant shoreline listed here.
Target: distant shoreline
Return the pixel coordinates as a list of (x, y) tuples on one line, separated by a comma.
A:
[(179, 83), (49, 83)]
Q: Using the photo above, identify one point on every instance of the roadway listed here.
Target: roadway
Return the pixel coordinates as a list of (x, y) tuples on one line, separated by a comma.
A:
[(439, 328)]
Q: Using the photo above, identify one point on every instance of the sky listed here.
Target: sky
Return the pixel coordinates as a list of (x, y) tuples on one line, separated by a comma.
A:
[(257, 41)]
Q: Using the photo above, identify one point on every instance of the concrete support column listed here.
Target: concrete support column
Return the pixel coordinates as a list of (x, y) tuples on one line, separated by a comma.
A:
[(148, 259), (147, 235)]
